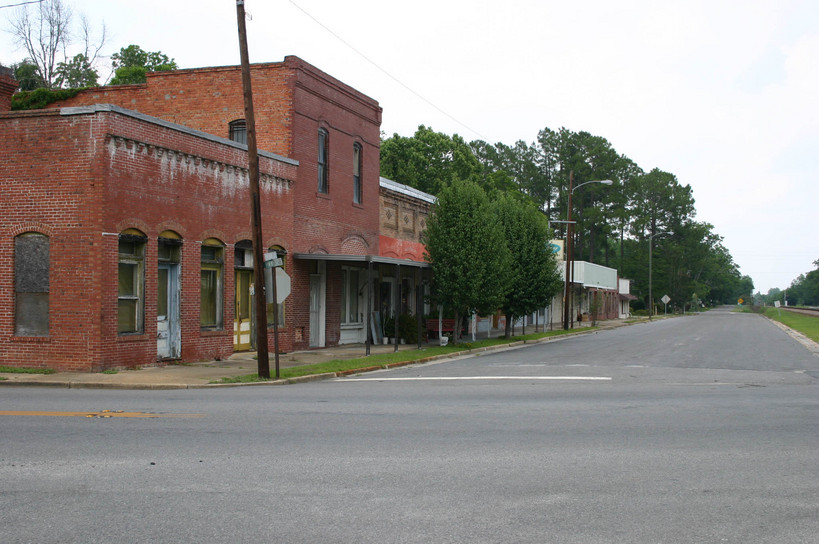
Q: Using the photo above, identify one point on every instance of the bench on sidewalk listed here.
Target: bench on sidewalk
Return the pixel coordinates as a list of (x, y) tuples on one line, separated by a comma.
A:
[(447, 325)]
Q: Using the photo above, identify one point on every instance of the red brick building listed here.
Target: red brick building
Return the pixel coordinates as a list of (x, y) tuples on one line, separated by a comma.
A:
[(125, 220)]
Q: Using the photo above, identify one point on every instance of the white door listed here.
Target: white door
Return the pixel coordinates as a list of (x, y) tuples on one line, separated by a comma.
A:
[(317, 307), (168, 335)]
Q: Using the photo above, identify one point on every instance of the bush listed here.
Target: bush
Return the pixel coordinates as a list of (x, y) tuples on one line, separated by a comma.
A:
[(408, 328), (40, 98), (389, 326)]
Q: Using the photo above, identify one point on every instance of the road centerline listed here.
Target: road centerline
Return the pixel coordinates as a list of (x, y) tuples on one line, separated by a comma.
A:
[(478, 378)]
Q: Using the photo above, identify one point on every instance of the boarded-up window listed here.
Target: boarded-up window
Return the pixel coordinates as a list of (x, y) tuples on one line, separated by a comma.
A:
[(31, 284)]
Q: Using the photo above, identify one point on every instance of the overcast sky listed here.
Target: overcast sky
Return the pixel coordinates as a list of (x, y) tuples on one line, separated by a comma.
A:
[(721, 93)]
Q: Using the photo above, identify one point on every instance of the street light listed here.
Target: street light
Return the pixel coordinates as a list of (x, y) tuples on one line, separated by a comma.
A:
[(650, 294), (569, 282)]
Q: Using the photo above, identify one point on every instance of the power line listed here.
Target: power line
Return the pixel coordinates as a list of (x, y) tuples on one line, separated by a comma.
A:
[(22, 4), (365, 57)]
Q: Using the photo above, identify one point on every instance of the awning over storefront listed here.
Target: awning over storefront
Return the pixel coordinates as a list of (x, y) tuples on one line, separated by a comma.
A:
[(375, 259), (370, 261)]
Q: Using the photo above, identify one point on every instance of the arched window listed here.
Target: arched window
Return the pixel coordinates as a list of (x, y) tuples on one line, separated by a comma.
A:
[(212, 287), (31, 284), (237, 131), (131, 282)]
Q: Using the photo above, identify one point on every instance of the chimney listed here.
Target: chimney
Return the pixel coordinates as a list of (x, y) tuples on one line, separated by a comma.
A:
[(8, 85)]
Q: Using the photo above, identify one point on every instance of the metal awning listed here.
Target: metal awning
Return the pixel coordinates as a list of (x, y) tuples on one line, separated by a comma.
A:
[(375, 259), (370, 261)]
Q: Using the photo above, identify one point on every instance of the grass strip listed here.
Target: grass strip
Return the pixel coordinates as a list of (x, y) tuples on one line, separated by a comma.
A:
[(806, 324), (25, 370), (382, 360)]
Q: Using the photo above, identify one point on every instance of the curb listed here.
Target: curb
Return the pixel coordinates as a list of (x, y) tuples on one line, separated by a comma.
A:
[(809, 344), (475, 352)]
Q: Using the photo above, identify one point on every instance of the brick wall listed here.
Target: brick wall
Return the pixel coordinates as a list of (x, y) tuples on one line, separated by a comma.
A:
[(7, 87), (97, 174), (292, 100)]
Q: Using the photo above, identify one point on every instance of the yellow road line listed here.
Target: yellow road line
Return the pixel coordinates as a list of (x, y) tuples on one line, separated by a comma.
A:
[(101, 414)]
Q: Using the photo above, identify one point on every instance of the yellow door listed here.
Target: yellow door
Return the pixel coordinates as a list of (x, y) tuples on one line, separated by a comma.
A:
[(242, 320)]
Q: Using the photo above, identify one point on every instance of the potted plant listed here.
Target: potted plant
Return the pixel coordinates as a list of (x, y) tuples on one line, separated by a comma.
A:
[(389, 329)]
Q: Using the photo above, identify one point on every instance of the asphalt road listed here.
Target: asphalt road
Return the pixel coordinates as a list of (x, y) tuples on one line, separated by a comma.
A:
[(695, 429)]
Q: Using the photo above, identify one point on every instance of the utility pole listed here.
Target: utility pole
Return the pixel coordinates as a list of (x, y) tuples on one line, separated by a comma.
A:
[(567, 293), (260, 303)]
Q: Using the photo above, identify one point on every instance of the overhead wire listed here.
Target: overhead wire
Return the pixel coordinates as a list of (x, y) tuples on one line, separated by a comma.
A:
[(385, 72), (22, 4)]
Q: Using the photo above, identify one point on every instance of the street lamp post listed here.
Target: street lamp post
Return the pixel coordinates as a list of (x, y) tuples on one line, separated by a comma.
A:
[(569, 281), (650, 293)]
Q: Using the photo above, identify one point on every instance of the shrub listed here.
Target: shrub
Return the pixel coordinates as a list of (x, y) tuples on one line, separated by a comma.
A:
[(408, 328), (40, 98)]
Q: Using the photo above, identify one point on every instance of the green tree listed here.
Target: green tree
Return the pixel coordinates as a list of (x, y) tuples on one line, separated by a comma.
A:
[(28, 75), (47, 32), (532, 272), (77, 73), (467, 251), (589, 158), (804, 290), (659, 203), (428, 160), (132, 63)]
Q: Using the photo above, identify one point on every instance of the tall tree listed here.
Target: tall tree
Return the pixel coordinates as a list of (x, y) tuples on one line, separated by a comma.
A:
[(77, 73), (45, 32), (132, 63), (467, 251), (532, 272), (28, 75), (804, 290), (428, 160)]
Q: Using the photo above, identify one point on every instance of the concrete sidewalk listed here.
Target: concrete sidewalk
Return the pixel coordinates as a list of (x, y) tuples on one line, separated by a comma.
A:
[(199, 375)]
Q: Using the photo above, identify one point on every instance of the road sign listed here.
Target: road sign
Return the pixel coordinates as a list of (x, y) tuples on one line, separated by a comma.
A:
[(282, 285), (665, 299), (272, 260)]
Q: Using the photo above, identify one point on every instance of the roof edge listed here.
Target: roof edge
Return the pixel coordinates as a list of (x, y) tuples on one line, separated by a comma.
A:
[(112, 108)]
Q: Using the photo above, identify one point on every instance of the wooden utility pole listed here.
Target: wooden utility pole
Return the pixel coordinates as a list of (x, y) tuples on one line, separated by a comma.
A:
[(569, 276), (260, 303)]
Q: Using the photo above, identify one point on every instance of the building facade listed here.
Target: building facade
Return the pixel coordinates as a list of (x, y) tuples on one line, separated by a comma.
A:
[(131, 206)]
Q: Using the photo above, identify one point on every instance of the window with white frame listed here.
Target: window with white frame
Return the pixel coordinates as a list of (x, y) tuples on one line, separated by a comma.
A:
[(350, 286), (131, 283)]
